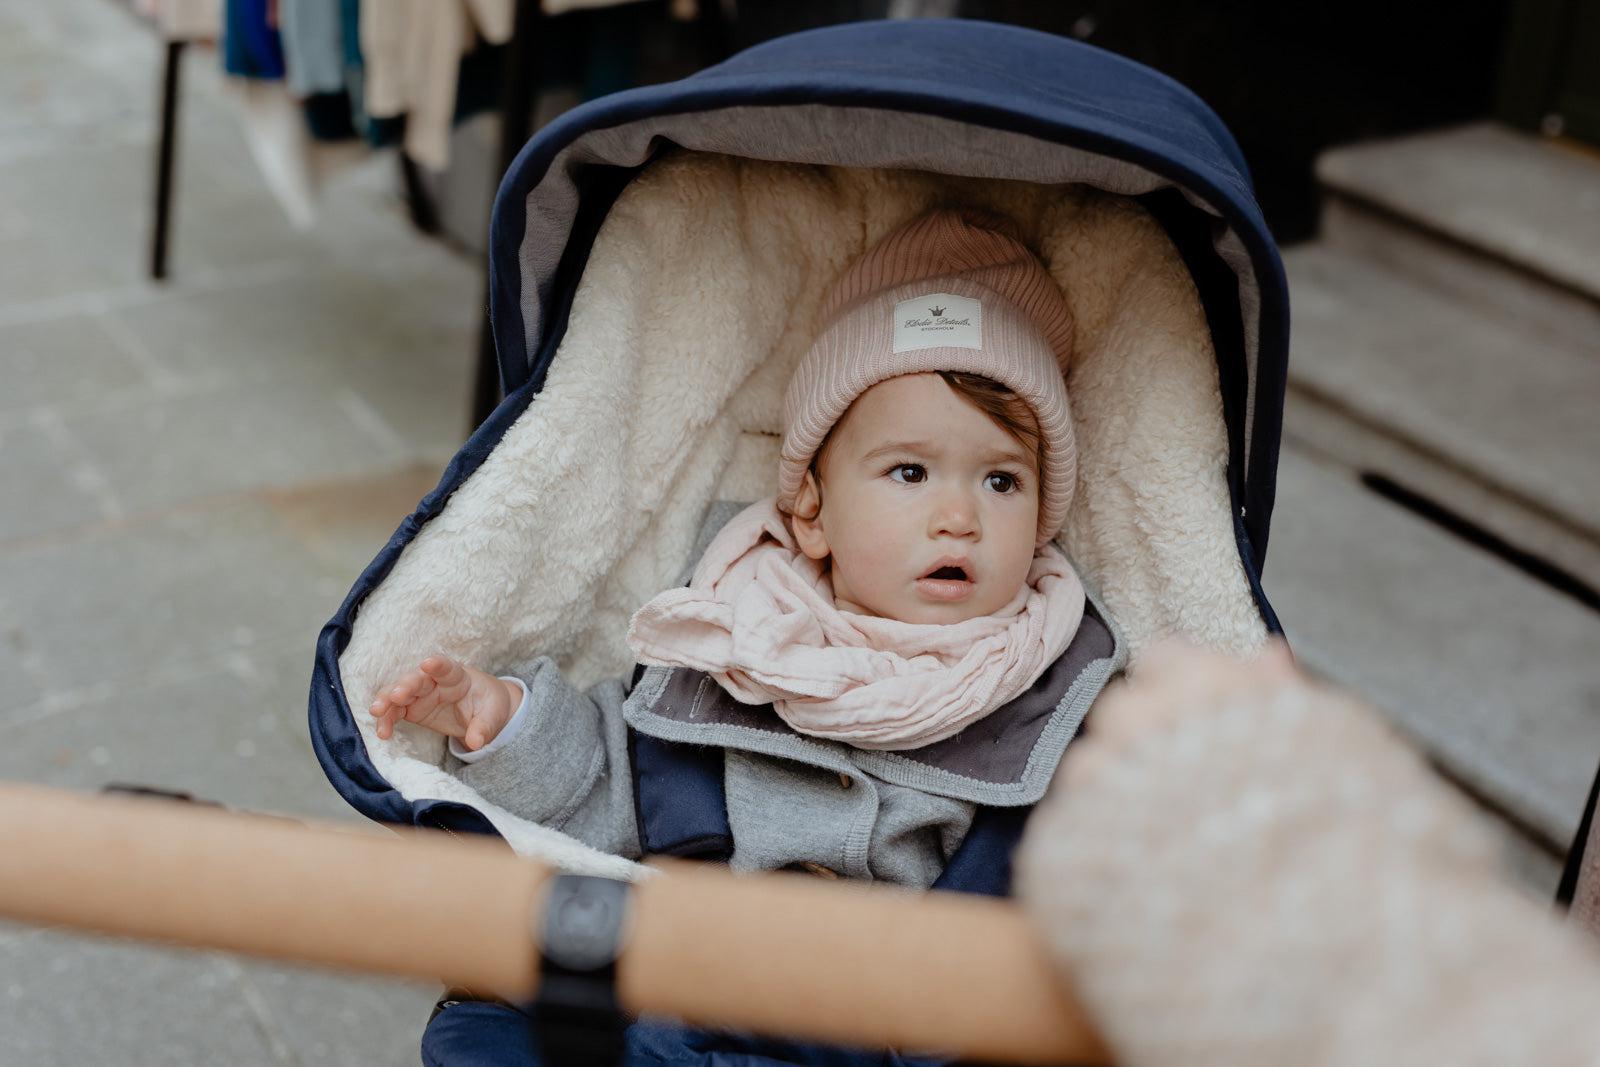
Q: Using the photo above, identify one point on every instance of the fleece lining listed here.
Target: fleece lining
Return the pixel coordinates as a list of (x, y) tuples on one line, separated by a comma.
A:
[(699, 297)]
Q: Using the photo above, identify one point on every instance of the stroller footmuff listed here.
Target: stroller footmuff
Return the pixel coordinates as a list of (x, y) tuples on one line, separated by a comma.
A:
[(657, 262), (476, 1033)]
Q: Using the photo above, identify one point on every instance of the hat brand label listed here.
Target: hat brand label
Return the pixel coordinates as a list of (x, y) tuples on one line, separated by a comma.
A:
[(938, 320)]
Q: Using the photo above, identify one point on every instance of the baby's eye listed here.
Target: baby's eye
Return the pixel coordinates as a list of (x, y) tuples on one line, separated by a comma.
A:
[(1001, 482), (913, 473)]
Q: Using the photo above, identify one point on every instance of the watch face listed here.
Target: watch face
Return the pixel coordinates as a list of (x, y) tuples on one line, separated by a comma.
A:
[(583, 926)]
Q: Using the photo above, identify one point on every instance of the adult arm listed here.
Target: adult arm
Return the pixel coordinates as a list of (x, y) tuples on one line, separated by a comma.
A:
[(1241, 867)]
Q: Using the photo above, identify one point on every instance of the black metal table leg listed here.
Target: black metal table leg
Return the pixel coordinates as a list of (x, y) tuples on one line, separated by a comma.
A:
[(164, 152), (419, 205)]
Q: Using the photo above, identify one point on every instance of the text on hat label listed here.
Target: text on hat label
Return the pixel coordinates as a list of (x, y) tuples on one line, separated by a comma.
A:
[(938, 320)]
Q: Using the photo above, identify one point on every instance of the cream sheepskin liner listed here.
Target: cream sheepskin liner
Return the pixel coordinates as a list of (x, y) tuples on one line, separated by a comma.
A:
[(664, 396)]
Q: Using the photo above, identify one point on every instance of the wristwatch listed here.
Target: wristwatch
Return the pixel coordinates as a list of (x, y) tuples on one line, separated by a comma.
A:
[(580, 934)]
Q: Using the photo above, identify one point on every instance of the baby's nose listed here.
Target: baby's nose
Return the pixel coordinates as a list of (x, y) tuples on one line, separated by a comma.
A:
[(956, 516)]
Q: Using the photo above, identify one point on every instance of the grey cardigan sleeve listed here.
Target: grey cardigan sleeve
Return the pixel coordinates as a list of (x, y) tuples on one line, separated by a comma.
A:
[(566, 767)]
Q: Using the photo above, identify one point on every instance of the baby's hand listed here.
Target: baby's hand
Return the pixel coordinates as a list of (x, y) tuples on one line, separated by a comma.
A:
[(449, 698)]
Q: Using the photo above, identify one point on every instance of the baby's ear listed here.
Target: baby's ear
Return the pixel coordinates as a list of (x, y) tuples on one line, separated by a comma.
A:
[(806, 520)]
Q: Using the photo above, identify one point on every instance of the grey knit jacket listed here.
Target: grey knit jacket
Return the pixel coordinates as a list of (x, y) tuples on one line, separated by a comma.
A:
[(793, 801)]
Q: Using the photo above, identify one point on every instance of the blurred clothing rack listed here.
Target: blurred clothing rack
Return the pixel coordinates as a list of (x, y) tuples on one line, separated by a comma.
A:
[(183, 22)]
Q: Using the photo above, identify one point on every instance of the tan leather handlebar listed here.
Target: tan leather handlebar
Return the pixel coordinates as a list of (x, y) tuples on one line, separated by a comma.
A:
[(786, 955)]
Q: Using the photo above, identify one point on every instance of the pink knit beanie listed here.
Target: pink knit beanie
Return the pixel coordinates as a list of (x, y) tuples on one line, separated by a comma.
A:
[(948, 291)]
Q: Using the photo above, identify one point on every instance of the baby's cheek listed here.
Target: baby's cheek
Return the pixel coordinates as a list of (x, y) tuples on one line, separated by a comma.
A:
[(873, 561), (883, 551)]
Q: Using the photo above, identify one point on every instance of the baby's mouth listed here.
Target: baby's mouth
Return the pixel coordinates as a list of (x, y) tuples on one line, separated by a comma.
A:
[(949, 582)]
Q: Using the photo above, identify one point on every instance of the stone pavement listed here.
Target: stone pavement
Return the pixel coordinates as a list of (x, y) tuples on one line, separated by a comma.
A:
[(194, 472)]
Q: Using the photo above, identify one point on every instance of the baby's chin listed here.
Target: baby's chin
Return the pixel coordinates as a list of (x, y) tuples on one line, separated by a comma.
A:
[(923, 614), (943, 614)]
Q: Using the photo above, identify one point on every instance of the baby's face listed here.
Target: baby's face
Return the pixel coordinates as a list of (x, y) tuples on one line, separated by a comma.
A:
[(915, 479)]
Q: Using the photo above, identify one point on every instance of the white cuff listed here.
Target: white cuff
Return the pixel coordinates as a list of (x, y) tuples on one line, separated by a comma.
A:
[(501, 739)]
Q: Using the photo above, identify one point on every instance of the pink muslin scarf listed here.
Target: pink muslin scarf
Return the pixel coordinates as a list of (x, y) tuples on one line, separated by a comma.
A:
[(758, 616)]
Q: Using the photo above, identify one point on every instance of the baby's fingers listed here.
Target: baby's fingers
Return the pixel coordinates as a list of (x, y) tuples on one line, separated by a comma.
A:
[(388, 719), (383, 710), (422, 708), (387, 713), (409, 688), (400, 700), (449, 676)]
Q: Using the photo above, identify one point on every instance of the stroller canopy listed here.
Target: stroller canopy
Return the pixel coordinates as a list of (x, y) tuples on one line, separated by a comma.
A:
[(656, 258), (951, 96)]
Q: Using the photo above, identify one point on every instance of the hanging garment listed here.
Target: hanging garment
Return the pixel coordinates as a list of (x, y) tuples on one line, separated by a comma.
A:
[(313, 46), (412, 53), (250, 44)]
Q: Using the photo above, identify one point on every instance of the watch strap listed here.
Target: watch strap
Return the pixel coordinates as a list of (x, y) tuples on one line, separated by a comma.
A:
[(581, 929)]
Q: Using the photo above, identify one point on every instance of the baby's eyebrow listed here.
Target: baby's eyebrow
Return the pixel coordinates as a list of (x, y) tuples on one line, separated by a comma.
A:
[(1015, 455), (932, 448), (917, 447)]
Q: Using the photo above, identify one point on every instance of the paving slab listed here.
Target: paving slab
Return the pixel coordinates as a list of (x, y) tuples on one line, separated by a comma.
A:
[(62, 360), (124, 602), (1487, 670), (210, 734), (46, 484), (233, 438), (44, 43), (1525, 199), (1513, 408), (334, 325), (20, 667), (78, 232), (33, 268), (346, 523), (69, 1001), (329, 1018), (431, 410)]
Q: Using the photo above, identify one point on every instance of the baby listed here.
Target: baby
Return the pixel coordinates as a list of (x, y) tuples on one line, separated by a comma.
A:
[(867, 662)]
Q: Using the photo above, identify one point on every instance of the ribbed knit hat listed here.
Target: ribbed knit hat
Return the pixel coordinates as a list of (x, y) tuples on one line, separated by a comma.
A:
[(949, 291)]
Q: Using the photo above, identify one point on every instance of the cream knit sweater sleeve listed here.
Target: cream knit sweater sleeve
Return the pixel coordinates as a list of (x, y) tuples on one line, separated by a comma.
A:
[(1280, 880)]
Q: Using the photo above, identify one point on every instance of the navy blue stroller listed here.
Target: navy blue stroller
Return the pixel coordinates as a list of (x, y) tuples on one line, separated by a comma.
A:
[(657, 258)]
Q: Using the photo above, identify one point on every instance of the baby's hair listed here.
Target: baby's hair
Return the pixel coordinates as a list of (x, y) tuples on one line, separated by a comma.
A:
[(1005, 408), (1008, 410)]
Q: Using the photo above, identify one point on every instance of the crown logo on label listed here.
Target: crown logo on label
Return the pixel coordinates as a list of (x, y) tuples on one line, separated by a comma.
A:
[(937, 311)]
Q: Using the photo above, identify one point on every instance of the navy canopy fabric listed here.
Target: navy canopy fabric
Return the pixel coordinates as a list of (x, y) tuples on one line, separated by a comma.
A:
[(1072, 98)]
